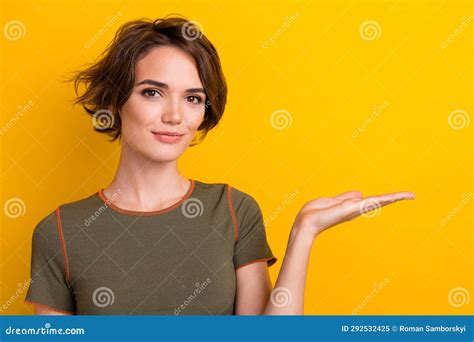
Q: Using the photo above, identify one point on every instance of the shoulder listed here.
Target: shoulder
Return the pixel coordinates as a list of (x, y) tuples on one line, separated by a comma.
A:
[(46, 228), (209, 188), (86, 204), (241, 200), (51, 224), (237, 197)]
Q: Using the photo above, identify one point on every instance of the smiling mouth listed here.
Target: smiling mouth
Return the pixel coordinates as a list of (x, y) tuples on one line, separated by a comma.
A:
[(168, 133), (168, 137)]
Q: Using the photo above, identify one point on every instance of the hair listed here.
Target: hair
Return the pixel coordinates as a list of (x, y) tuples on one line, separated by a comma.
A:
[(109, 81)]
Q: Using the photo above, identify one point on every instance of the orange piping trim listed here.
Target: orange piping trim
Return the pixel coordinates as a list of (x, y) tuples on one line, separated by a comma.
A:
[(145, 213), (65, 311), (63, 246), (254, 261)]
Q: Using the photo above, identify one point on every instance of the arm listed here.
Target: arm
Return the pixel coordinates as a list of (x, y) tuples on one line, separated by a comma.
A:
[(287, 298), (41, 309), (253, 288), (254, 285)]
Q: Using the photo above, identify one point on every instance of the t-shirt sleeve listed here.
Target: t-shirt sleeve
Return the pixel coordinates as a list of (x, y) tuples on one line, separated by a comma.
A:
[(251, 244), (48, 283)]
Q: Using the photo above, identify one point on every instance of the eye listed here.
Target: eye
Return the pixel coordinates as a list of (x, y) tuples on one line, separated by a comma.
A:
[(150, 92), (195, 99)]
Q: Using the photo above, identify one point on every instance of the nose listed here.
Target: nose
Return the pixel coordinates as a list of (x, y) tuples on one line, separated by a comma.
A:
[(172, 112)]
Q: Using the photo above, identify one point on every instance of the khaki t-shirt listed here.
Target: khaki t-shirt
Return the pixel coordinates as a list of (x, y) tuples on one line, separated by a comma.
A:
[(91, 257)]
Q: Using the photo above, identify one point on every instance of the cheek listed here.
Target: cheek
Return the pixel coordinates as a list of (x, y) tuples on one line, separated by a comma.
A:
[(195, 119), (137, 113)]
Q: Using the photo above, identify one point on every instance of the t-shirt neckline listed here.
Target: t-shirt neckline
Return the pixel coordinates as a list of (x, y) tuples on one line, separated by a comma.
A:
[(112, 206)]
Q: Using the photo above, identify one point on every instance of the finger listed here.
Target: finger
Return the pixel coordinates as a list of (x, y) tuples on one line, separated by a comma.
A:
[(374, 202), (395, 196), (348, 194), (320, 203)]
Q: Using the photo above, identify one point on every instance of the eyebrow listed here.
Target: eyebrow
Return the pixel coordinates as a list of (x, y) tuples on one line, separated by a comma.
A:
[(165, 86)]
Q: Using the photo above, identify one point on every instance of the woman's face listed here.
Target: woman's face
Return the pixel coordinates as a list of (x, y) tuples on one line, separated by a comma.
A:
[(167, 96)]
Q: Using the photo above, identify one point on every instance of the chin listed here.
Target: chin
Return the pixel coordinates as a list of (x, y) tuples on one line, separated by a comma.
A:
[(160, 151), (166, 153)]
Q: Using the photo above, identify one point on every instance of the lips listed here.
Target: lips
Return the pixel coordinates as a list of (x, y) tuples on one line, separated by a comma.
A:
[(168, 133), (167, 136)]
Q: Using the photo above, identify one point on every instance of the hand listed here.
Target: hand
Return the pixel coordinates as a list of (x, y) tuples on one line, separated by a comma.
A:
[(319, 214)]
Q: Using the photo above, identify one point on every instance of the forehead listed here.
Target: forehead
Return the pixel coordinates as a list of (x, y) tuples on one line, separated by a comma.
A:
[(169, 65)]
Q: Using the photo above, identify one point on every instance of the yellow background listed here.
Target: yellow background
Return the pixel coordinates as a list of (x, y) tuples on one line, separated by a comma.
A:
[(310, 59)]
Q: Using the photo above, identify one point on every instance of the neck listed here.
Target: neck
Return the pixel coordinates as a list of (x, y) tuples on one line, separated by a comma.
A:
[(145, 184)]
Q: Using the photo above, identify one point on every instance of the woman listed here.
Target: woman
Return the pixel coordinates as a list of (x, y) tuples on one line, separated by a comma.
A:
[(153, 241)]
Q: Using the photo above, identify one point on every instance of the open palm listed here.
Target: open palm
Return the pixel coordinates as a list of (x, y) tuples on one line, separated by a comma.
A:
[(324, 212)]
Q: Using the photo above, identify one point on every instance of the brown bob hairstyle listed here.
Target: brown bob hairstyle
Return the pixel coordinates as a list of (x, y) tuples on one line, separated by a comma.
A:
[(109, 81)]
